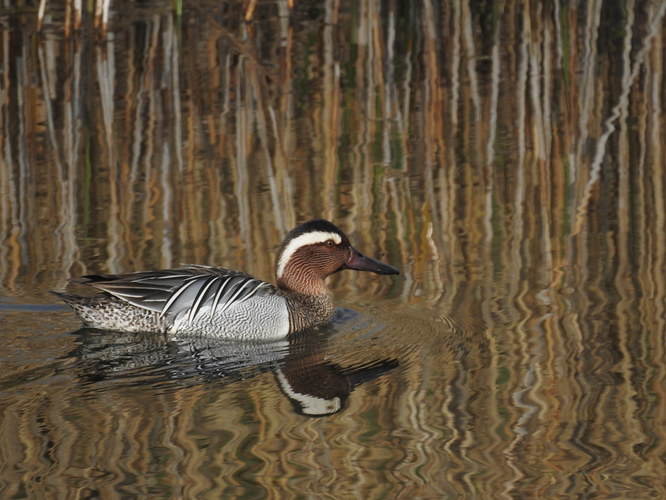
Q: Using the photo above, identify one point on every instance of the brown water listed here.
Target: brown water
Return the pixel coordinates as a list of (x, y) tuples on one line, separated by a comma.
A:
[(507, 156)]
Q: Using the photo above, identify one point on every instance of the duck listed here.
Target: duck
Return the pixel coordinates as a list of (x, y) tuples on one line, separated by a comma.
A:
[(201, 300)]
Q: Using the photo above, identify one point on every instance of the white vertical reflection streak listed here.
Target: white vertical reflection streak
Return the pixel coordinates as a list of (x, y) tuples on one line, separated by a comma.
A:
[(166, 248), (536, 62), (455, 59), (655, 144), (470, 53), (172, 61), (18, 192), (625, 304), (586, 86), (546, 97), (365, 41), (629, 75), (516, 292), (389, 86), (331, 102), (242, 168), (6, 184), (285, 119), (72, 139), (432, 147), (489, 285), (656, 263), (105, 65), (495, 62), (521, 85)]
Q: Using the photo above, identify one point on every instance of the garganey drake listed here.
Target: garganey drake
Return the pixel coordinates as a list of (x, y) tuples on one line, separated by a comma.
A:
[(216, 302)]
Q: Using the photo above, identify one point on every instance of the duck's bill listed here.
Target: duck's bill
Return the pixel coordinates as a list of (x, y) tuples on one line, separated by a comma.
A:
[(360, 262)]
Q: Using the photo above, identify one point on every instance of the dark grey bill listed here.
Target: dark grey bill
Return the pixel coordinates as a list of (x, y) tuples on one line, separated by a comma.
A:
[(360, 262)]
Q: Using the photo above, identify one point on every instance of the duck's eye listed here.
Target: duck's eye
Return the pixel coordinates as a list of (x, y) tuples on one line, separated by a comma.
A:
[(329, 243)]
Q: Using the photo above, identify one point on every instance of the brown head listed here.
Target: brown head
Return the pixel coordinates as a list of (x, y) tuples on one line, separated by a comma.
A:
[(313, 251)]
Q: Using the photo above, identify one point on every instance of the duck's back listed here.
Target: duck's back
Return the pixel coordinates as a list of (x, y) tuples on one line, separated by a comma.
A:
[(196, 300)]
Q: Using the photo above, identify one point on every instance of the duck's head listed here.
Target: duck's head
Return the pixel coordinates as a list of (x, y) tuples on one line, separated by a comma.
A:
[(313, 251)]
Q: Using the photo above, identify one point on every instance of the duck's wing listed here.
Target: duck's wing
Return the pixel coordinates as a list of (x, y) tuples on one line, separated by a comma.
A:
[(173, 291)]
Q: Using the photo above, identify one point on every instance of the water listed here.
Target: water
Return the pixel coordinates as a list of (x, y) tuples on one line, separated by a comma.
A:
[(507, 157)]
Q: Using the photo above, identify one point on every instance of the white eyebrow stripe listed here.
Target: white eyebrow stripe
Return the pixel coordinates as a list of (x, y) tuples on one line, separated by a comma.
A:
[(311, 238)]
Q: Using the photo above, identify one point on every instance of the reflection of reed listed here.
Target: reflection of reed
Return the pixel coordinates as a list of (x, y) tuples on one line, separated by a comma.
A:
[(522, 169)]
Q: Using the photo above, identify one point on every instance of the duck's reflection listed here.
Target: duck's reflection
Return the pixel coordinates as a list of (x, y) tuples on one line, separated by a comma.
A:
[(303, 364), (317, 387)]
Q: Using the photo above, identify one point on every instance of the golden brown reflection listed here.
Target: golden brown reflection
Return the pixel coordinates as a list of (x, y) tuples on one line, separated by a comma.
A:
[(507, 156)]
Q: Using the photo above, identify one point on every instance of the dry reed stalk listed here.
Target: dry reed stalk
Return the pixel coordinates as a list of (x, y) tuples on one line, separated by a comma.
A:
[(101, 16), (250, 7), (73, 9), (41, 10)]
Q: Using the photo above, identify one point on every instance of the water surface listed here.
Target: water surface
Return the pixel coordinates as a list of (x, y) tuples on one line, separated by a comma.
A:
[(507, 157)]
